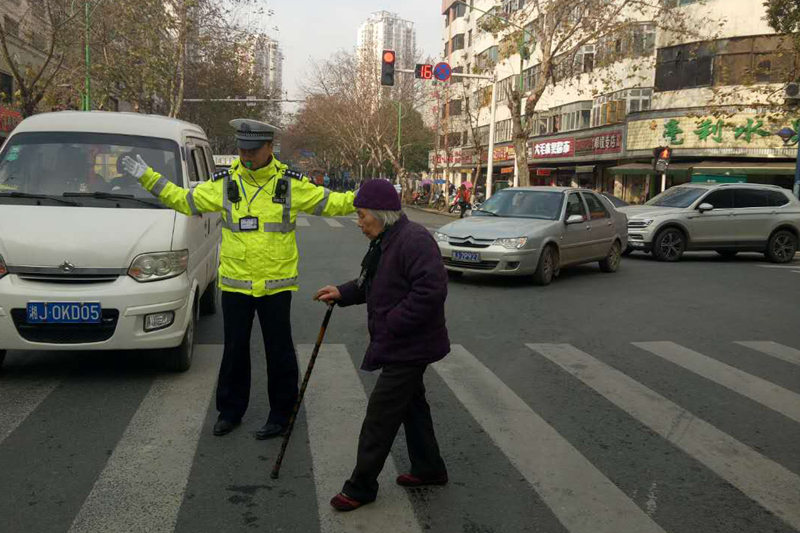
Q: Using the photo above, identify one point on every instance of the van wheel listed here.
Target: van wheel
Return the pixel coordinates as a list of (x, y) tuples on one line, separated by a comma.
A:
[(210, 299), (546, 268), (669, 245), (782, 247), (2, 357), (612, 260), (179, 359)]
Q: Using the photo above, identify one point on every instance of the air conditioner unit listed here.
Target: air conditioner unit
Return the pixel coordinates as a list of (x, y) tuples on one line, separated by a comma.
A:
[(792, 91)]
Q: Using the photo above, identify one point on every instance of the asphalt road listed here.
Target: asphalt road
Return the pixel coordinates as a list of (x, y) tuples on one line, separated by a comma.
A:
[(661, 398)]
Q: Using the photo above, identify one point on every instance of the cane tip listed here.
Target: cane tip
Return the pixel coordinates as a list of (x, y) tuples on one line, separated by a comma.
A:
[(273, 475)]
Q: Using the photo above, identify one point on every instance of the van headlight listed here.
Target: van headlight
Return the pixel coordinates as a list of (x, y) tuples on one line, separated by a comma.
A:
[(513, 244), (440, 237), (159, 265), (3, 267)]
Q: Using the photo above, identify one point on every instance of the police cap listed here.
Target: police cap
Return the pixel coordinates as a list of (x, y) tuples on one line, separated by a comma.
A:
[(252, 134)]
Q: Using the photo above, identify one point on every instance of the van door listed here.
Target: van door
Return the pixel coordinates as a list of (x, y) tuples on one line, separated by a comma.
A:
[(198, 226), (214, 222)]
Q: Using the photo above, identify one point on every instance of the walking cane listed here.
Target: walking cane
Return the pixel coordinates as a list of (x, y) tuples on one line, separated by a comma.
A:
[(277, 467)]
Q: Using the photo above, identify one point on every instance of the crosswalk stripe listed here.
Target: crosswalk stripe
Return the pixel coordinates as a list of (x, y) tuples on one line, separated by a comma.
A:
[(580, 496), (142, 486), (332, 222), (19, 398), (779, 351), (766, 482), (759, 390), (302, 222), (335, 405)]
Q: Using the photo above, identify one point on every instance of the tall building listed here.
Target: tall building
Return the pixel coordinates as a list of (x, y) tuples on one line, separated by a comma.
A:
[(717, 102), (268, 59), (387, 31)]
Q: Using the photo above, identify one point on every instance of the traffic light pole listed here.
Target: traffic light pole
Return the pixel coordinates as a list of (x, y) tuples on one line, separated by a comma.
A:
[(490, 162)]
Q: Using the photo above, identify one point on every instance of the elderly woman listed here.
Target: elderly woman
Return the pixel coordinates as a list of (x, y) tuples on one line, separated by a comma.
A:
[(404, 284)]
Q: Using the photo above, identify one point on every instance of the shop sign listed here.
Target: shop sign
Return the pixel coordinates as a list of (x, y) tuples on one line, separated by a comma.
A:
[(501, 153), (543, 171), (604, 143), (507, 170), (554, 148), (456, 157), (743, 130)]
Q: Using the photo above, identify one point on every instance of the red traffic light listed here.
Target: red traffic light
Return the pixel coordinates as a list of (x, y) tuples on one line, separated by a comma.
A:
[(387, 68), (388, 56)]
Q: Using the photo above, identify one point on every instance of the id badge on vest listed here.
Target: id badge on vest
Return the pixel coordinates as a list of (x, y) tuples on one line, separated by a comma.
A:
[(248, 223)]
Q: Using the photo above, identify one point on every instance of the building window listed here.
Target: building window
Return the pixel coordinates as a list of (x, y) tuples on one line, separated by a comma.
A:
[(503, 131), (613, 108), (675, 3), (457, 43), (638, 41), (584, 60), (455, 108), (510, 6), (11, 26), (487, 59), (6, 87), (504, 87), (457, 79), (572, 117), (752, 60), (684, 67), (484, 23), (529, 78), (469, 39), (459, 10)]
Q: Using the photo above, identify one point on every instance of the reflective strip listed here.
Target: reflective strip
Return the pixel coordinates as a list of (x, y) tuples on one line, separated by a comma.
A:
[(230, 227), (321, 205), (280, 283), (237, 283), (159, 186), (190, 199), (279, 227)]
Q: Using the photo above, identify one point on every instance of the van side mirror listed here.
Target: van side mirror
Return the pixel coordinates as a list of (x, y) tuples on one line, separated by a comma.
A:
[(574, 219), (705, 206)]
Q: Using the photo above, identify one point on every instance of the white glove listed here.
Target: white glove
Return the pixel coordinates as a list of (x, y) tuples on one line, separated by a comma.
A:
[(135, 168)]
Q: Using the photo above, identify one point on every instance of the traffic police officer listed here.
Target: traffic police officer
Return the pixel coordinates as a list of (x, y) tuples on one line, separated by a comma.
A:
[(259, 199)]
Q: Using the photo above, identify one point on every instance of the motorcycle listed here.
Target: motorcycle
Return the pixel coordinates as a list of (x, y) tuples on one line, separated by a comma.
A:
[(438, 201)]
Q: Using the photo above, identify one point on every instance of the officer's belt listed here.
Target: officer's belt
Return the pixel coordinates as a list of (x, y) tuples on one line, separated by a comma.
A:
[(285, 226), (269, 284)]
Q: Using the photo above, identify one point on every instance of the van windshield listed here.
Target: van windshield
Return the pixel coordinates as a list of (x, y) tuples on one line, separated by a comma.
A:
[(55, 163)]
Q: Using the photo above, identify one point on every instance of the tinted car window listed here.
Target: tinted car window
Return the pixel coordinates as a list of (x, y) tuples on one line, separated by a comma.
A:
[(776, 199), (720, 199), (743, 198), (596, 208), (575, 206), (677, 197), (523, 204)]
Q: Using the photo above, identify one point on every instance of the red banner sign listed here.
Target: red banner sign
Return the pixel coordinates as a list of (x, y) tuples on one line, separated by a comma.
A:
[(604, 143), (554, 148)]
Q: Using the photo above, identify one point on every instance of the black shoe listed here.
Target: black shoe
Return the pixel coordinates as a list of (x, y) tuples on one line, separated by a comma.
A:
[(223, 427), (270, 430)]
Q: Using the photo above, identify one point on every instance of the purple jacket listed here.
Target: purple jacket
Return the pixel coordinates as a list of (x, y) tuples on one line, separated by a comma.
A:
[(405, 300)]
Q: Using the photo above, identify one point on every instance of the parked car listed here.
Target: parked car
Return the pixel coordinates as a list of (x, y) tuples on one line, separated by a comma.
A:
[(89, 260), (535, 231), (727, 218)]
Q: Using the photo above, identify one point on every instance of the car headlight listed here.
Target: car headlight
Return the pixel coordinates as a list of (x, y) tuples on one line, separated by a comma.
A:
[(3, 267), (158, 266), (513, 244), (641, 223), (440, 237)]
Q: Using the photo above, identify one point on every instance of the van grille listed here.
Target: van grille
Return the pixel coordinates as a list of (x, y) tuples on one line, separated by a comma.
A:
[(79, 276)]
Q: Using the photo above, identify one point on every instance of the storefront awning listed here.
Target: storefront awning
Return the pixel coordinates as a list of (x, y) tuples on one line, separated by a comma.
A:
[(724, 168), (638, 169)]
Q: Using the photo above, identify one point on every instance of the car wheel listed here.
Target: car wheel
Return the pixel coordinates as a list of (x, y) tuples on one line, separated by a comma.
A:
[(727, 254), (612, 260), (2, 357), (210, 299), (440, 205), (179, 359), (546, 268), (782, 247), (669, 245)]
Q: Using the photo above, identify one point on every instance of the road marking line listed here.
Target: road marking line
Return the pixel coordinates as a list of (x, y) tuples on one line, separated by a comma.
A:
[(19, 397), (759, 390), (580, 496), (785, 267), (335, 405), (766, 482), (142, 486), (790, 355), (332, 222), (302, 222)]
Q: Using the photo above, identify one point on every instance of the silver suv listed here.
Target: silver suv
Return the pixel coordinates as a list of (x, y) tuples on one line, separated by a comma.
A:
[(727, 218)]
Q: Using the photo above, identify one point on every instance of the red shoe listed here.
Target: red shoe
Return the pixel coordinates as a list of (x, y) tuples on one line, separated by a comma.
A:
[(407, 480), (344, 503)]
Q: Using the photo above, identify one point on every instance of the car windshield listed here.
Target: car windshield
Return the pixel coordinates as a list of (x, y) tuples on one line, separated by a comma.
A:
[(523, 204), (677, 197), (55, 163)]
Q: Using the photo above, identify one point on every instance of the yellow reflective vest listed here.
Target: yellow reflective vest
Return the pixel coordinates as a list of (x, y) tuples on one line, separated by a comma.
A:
[(263, 260)]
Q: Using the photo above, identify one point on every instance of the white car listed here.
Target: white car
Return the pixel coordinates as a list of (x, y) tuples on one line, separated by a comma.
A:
[(89, 260)]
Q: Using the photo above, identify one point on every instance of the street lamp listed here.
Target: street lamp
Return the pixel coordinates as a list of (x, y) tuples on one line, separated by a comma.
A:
[(87, 95)]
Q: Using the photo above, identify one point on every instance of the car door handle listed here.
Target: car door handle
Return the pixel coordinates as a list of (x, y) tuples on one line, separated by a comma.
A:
[(588, 228)]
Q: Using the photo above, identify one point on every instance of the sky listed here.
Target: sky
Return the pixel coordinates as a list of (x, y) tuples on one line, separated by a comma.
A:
[(316, 29)]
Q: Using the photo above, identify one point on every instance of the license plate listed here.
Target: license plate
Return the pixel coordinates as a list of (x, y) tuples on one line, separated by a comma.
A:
[(467, 257), (64, 313)]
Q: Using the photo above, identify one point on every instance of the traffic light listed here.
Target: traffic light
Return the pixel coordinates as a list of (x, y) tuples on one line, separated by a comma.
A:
[(387, 68), (661, 158)]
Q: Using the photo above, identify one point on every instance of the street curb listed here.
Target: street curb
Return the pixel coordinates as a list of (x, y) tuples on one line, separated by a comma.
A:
[(433, 211)]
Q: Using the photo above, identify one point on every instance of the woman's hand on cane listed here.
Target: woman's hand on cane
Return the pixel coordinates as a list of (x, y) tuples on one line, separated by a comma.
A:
[(328, 295)]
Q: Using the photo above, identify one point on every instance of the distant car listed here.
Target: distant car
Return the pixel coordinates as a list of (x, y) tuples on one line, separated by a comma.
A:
[(727, 218), (534, 231)]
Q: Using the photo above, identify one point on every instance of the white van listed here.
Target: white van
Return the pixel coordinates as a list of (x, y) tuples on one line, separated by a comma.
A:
[(89, 260)]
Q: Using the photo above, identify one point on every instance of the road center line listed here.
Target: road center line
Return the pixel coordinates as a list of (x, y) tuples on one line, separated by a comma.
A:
[(766, 482), (580, 496)]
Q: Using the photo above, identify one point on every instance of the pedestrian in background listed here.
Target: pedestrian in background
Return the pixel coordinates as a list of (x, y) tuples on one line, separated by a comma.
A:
[(404, 284), (463, 199)]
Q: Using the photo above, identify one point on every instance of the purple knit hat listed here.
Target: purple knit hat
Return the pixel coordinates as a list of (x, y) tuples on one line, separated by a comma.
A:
[(378, 194)]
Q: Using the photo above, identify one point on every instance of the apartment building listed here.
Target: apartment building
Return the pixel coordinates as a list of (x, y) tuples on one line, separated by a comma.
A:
[(713, 101)]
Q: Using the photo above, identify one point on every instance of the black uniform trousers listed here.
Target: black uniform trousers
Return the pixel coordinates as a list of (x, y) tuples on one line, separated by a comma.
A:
[(398, 398), (233, 386)]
